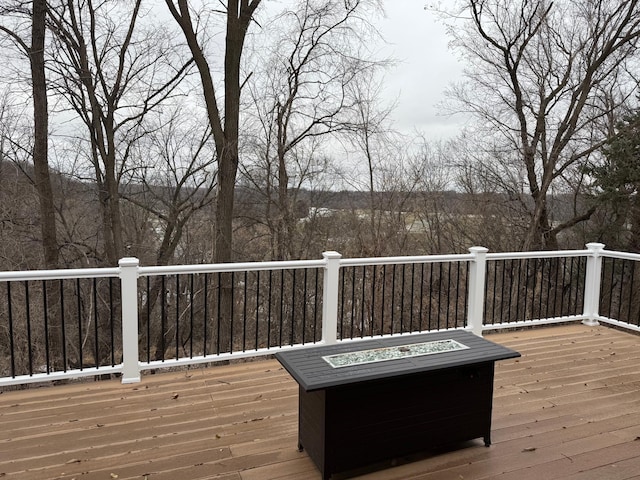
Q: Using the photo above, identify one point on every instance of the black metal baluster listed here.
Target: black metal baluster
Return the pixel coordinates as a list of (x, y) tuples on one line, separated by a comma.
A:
[(562, 283), (621, 284), (403, 273), (205, 315), (430, 295), (304, 306), (526, 288), (457, 295), (493, 296), (510, 289), (535, 284), (548, 280), (579, 283), (315, 307), (613, 268), (45, 307), (517, 289), (633, 269), (269, 293), (280, 331), (353, 299), (63, 327), (95, 322), (257, 307), (439, 293), (232, 313), (420, 309), (28, 315), (520, 315), (163, 303), (372, 308), (568, 290), (342, 281), (384, 284), (244, 313), (112, 332), (293, 305), (503, 303), (555, 290), (447, 316), (362, 301), (191, 313), (177, 316), (79, 311), (12, 346), (393, 295), (219, 313), (411, 296), (466, 292), (148, 319)]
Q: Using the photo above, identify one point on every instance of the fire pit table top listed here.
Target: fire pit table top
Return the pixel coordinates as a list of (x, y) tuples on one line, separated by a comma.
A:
[(350, 362)]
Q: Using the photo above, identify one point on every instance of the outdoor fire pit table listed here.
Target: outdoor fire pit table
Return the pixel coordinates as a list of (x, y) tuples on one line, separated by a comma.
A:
[(367, 401)]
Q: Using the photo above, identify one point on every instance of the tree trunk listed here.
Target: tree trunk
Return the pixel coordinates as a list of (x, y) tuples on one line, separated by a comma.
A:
[(41, 126), (42, 179)]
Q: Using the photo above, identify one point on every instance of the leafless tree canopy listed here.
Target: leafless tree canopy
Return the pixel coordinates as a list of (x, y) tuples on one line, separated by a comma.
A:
[(545, 80)]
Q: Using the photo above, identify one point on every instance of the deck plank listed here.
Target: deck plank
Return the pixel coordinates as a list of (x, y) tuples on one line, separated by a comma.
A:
[(569, 408)]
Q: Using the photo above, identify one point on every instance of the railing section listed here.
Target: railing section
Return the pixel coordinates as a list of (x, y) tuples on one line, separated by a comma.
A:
[(59, 324), (390, 296), (619, 301), (194, 314), (534, 288), (70, 323)]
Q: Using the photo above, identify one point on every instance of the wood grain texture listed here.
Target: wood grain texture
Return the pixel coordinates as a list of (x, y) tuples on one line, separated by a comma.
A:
[(569, 408)]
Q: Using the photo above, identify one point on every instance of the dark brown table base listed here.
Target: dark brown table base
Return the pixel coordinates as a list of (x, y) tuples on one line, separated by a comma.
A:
[(351, 426)]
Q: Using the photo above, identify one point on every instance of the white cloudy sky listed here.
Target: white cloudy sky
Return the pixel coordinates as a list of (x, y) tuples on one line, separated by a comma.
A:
[(425, 67)]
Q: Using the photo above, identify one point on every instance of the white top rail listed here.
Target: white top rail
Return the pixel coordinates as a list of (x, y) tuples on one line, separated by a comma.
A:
[(538, 254), (621, 255), (60, 274), (231, 267), (350, 262)]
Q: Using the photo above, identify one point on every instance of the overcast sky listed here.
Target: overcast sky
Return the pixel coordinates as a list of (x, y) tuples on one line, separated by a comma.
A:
[(425, 67)]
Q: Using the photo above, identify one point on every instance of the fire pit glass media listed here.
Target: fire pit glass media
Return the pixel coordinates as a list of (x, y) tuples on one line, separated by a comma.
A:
[(392, 353)]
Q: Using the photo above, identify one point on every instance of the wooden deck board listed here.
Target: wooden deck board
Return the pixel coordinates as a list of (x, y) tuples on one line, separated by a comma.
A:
[(568, 409)]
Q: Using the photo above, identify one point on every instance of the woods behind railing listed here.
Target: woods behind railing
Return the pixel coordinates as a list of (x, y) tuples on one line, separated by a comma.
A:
[(69, 323)]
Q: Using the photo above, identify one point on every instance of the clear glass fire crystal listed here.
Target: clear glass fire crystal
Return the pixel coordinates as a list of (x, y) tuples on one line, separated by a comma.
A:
[(392, 353)]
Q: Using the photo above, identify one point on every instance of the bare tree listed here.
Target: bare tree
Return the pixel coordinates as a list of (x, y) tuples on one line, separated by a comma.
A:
[(225, 122), (174, 178), (379, 169), (307, 97), (538, 85), (112, 73), (34, 50)]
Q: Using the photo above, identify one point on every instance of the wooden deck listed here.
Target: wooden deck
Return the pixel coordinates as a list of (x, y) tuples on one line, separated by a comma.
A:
[(568, 409)]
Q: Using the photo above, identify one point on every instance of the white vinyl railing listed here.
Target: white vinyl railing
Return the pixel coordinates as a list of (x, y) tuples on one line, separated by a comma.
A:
[(472, 283)]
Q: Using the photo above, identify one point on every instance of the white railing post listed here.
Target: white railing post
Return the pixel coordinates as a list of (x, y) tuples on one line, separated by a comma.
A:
[(591, 306), (129, 285), (477, 273), (330, 297)]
